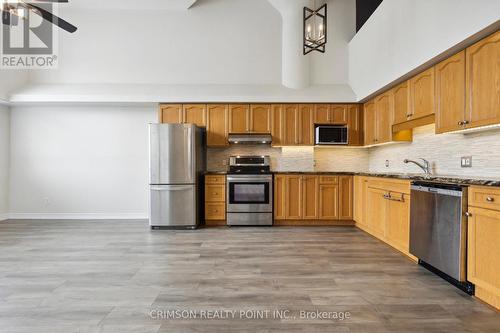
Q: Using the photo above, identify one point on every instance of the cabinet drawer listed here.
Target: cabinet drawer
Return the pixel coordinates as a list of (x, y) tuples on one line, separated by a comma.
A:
[(215, 193), (215, 211), (390, 185), (484, 197), (328, 180), (215, 179)]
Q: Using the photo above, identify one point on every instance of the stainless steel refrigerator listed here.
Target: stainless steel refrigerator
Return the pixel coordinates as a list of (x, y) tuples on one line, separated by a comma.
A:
[(176, 165)]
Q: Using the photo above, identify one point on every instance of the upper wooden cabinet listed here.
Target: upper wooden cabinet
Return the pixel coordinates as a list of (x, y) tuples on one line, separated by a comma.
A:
[(370, 123), (244, 118), (306, 125), (239, 118), (422, 95), (217, 115), (401, 100), (260, 118), (290, 122), (276, 124), (170, 114), (450, 93), (383, 118), (330, 114), (483, 82), (355, 125), (194, 114)]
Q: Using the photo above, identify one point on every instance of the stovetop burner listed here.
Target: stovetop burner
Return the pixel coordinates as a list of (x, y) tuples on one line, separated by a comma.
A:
[(249, 165)]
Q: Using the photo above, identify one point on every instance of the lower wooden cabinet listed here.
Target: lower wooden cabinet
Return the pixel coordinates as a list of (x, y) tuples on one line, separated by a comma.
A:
[(313, 198), (382, 208), (483, 246), (215, 199)]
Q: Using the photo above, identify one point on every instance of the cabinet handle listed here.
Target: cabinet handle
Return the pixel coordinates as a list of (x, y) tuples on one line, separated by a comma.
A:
[(468, 214), (490, 199), (387, 196), (460, 123), (466, 122)]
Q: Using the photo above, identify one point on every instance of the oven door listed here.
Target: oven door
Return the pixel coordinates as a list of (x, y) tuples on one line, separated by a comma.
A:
[(249, 194)]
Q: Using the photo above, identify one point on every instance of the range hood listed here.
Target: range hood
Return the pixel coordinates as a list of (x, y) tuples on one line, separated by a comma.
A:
[(250, 139)]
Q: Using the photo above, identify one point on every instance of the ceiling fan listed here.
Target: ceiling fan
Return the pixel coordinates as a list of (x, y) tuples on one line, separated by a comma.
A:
[(13, 10)]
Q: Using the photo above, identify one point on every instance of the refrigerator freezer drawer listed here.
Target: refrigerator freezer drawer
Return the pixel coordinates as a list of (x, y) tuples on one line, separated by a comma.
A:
[(173, 206)]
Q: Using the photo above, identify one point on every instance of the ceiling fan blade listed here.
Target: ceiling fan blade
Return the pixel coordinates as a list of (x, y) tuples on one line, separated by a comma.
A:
[(52, 18)]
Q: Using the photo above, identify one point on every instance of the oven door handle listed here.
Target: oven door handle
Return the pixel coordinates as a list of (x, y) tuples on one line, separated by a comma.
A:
[(248, 179)]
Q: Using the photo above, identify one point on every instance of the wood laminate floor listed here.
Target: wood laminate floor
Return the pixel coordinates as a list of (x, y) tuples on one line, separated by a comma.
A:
[(116, 276)]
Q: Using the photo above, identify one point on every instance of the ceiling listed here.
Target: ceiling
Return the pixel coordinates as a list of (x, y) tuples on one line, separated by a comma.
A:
[(131, 4)]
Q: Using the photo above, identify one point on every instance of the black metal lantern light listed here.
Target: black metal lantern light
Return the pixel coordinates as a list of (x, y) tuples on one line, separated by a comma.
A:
[(315, 29)]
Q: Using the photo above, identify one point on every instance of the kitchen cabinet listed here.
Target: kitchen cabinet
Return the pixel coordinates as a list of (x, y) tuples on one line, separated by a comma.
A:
[(279, 197), (401, 100), (215, 199), (355, 125), (290, 131), (370, 123), (450, 93), (293, 197), (382, 208), (217, 131), (260, 118), (339, 114), (483, 82), (330, 114), (310, 189), (346, 197), (276, 124), (483, 247), (306, 125), (328, 198), (194, 114), (170, 114), (383, 118), (422, 95), (239, 118)]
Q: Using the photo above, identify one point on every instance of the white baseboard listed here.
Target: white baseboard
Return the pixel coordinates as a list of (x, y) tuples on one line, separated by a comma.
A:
[(4, 217), (76, 216)]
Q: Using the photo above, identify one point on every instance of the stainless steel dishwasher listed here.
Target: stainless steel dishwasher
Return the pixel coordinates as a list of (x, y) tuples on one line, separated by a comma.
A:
[(438, 230)]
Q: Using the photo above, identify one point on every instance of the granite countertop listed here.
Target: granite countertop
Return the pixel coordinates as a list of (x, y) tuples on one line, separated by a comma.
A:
[(407, 176)]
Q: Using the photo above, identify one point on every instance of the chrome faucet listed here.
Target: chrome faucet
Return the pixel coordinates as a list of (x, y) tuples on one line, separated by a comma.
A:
[(426, 166)]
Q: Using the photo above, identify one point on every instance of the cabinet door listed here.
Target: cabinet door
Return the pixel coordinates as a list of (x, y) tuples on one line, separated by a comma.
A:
[(322, 114), (260, 118), (290, 124), (217, 125), (328, 202), (276, 124), (397, 228), (355, 125), (483, 82), (359, 199), (306, 125), (195, 114), (279, 197), (369, 123), (293, 204), (376, 206), (345, 197), (422, 94), (450, 93), (401, 99), (239, 118), (310, 200), (383, 118), (339, 114), (171, 114), (483, 253)]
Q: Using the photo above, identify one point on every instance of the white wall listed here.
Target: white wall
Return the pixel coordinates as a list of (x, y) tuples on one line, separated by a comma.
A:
[(79, 161), (11, 80), (214, 42), (4, 160), (444, 152), (404, 34)]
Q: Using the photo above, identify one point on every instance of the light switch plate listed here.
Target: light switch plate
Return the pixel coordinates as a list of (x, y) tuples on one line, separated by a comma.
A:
[(466, 162)]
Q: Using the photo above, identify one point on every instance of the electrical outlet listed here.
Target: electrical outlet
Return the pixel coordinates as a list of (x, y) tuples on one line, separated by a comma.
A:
[(387, 163), (466, 161)]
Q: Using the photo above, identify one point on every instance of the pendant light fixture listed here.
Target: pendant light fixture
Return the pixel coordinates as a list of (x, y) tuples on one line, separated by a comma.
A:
[(314, 29)]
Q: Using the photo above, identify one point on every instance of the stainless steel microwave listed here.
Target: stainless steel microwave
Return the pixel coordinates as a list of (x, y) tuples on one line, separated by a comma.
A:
[(331, 135)]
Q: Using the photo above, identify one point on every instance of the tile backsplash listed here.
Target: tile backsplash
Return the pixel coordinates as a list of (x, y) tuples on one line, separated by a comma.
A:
[(444, 152)]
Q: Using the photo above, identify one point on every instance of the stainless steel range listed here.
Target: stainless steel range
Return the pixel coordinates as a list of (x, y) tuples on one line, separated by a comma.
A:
[(250, 191)]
